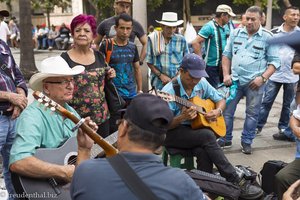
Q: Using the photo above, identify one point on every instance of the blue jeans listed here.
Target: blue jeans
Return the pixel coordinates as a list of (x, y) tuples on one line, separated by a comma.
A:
[(253, 103), (7, 136), (271, 91)]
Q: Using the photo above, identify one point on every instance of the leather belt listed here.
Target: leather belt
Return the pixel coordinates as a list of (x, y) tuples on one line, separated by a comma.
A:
[(6, 113)]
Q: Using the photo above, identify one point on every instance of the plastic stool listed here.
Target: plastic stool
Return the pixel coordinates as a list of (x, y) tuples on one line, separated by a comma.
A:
[(175, 160)]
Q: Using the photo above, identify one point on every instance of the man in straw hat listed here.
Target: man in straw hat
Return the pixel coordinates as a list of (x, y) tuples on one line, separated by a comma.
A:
[(13, 92), (140, 133), (39, 128), (165, 50), (107, 27), (214, 34)]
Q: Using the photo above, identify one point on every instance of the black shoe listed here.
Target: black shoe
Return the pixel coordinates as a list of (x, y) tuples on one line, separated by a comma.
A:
[(282, 137), (248, 190), (258, 131), (246, 148), (224, 144)]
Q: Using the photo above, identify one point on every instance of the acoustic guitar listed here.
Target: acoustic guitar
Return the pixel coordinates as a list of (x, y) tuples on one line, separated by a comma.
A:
[(50, 188), (201, 106)]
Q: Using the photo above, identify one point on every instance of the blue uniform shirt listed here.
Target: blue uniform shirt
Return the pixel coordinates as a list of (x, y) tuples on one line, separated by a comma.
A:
[(250, 56)]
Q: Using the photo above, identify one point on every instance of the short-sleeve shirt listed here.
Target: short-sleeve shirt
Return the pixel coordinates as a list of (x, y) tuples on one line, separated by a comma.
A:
[(210, 32), (89, 97), (250, 56), (96, 178), (122, 59), (40, 128), (203, 90), (169, 61), (286, 54), (107, 28)]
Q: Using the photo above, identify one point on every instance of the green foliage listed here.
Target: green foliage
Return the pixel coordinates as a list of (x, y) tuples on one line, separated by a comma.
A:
[(198, 2), (48, 5), (152, 4), (104, 8), (253, 2)]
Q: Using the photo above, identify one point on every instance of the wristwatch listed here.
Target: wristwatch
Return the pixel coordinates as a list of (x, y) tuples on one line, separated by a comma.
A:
[(263, 78)]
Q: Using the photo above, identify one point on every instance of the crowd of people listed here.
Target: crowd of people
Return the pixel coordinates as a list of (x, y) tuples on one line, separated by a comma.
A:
[(78, 80)]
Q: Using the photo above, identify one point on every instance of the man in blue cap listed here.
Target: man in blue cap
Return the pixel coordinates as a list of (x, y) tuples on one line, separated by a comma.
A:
[(201, 142)]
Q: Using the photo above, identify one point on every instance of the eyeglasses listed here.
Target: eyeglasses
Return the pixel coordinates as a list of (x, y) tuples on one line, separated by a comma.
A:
[(64, 83)]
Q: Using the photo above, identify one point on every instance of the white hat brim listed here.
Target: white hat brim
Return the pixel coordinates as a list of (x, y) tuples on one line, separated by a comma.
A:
[(171, 24), (36, 80)]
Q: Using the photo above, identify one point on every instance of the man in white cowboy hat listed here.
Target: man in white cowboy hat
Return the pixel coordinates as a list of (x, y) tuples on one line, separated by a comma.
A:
[(107, 27), (39, 128), (165, 50), (214, 34), (4, 30)]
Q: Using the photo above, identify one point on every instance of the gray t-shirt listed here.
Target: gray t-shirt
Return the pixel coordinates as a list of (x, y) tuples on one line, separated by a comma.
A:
[(107, 28)]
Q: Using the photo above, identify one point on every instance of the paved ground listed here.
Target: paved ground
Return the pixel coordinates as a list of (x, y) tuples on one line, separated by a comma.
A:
[(264, 147)]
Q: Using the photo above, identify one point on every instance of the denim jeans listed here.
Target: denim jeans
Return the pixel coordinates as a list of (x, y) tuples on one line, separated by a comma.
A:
[(253, 103), (271, 91), (184, 137), (7, 135), (214, 75)]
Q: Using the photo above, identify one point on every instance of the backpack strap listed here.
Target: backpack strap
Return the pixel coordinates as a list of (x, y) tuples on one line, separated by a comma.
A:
[(109, 47)]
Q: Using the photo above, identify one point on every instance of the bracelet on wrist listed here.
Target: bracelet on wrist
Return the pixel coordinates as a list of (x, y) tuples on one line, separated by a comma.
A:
[(159, 74)]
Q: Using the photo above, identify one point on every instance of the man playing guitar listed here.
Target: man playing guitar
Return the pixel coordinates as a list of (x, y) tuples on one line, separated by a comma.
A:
[(37, 128), (202, 142)]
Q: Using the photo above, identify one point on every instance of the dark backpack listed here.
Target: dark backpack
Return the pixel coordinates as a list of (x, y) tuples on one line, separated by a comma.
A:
[(268, 172), (214, 185)]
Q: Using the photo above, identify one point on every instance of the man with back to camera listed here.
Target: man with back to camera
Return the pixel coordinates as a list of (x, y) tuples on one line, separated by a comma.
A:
[(140, 133)]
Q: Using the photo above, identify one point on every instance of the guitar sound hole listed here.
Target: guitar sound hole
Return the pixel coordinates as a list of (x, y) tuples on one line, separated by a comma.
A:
[(72, 160)]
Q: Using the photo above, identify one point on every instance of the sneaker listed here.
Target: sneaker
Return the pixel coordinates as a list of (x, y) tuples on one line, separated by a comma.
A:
[(248, 190), (282, 137), (258, 131), (224, 144), (246, 148)]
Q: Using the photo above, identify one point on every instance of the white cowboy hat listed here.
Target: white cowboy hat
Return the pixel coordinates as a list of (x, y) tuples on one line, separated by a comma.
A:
[(170, 19), (53, 67)]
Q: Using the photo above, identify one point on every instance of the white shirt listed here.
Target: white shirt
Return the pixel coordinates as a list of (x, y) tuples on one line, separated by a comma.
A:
[(4, 31)]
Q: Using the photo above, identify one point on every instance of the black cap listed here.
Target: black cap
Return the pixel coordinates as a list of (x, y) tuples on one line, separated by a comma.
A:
[(4, 13), (292, 39), (195, 65), (144, 109)]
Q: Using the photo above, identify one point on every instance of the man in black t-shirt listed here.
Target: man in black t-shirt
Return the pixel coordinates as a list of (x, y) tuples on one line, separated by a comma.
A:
[(107, 27)]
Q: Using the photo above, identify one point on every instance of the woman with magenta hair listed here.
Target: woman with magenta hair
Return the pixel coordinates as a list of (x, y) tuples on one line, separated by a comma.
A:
[(89, 97)]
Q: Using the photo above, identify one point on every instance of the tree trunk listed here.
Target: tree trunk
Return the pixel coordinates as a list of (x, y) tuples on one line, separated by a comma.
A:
[(287, 3), (27, 63), (48, 18)]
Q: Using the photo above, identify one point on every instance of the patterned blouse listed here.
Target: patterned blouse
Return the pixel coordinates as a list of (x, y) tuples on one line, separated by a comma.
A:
[(89, 97)]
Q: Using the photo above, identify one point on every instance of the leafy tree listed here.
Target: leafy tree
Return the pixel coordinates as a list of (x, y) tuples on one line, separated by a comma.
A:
[(48, 5)]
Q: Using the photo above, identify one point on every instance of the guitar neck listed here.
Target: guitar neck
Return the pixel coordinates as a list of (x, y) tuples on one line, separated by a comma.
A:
[(188, 104), (111, 139), (107, 147)]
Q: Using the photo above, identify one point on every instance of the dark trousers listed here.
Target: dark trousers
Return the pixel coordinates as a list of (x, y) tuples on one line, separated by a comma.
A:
[(286, 177), (215, 76), (184, 137)]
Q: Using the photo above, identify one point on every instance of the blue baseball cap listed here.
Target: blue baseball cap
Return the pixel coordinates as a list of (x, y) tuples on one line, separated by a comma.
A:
[(292, 39), (195, 65)]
